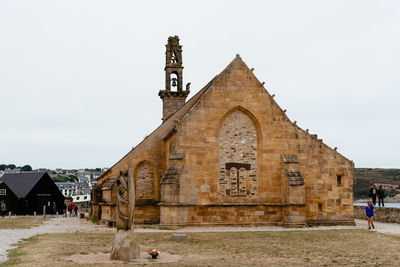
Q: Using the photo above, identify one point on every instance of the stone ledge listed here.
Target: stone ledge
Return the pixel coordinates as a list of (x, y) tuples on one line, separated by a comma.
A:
[(235, 204), (330, 223), (294, 225), (143, 202), (176, 156), (241, 224)]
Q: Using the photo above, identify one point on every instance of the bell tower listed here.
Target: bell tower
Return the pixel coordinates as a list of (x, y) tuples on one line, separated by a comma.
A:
[(173, 96)]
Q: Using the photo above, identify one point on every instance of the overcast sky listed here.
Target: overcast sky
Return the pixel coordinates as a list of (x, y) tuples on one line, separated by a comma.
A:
[(79, 80)]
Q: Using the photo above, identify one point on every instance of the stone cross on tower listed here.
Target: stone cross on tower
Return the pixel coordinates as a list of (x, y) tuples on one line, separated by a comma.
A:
[(173, 96)]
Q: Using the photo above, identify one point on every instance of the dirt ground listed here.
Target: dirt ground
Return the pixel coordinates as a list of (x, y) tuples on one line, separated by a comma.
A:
[(294, 248), (20, 222)]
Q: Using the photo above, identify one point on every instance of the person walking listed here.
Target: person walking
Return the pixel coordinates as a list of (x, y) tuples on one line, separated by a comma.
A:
[(372, 194), (381, 196), (72, 209), (54, 207), (3, 208), (369, 211), (69, 209), (65, 210), (76, 210)]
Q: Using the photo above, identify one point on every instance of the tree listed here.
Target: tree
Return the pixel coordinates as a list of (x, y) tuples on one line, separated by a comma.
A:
[(11, 166), (26, 168), (3, 167)]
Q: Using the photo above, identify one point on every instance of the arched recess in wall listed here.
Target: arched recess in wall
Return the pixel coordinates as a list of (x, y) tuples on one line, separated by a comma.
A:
[(174, 79), (239, 142), (144, 181)]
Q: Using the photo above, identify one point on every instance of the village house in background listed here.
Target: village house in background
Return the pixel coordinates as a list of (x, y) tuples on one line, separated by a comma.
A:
[(78, 191), (229, 156), (27, 192), (74, 185)]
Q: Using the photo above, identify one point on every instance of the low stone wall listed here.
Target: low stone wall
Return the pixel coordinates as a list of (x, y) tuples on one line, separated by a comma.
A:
[(388, 215)]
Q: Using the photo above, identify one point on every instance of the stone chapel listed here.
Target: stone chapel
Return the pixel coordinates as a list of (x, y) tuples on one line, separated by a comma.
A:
[(228, 156)]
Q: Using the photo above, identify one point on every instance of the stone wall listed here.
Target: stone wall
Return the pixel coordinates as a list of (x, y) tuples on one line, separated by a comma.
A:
[(173, 216), (212, 134), (388, 215), (172, 104), (147, 214)]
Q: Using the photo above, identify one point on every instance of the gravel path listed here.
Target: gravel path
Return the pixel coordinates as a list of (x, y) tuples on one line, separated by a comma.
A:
[(10, 237)]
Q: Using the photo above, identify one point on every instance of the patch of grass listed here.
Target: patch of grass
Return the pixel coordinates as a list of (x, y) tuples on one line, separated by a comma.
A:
[(93, 219), (16, 256), (21, 222), (297, 248)]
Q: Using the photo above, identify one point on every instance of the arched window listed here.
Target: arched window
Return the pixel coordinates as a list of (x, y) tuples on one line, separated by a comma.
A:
[(144, 181), (238, 155), (174, 81)]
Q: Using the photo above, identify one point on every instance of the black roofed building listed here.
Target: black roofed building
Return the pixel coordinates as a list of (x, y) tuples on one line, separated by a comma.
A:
[(8, 196), (28, 192)]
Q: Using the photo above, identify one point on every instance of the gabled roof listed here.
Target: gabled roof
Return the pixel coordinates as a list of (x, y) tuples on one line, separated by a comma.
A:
[(168, 126), (22, 183)]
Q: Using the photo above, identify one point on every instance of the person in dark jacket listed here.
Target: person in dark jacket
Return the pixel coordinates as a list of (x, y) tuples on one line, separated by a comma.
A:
[(76, 210), (3, 208), (372, 194), (369, 211), (381, 196)]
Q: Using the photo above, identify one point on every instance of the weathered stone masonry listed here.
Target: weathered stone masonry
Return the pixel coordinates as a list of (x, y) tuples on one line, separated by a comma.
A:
[(231, 156)]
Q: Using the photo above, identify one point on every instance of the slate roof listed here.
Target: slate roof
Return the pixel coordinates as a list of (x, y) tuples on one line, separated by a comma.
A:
[(22, 183)]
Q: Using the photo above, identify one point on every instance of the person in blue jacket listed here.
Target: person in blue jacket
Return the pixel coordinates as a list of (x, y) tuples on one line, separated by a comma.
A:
[(369, 210)]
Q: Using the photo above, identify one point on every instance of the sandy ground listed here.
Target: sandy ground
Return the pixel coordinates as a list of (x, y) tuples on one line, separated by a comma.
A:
[(10, 237)]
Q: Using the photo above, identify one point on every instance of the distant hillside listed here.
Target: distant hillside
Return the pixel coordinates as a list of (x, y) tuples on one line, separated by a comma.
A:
[(365, 177)]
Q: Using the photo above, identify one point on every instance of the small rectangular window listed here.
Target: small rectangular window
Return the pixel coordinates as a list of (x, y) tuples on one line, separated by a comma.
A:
[(2, 192), (319, 207), (339, 180)]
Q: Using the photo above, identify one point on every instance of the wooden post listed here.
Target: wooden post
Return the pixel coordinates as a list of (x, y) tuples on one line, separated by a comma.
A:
[(44, 211), (132, 196)]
